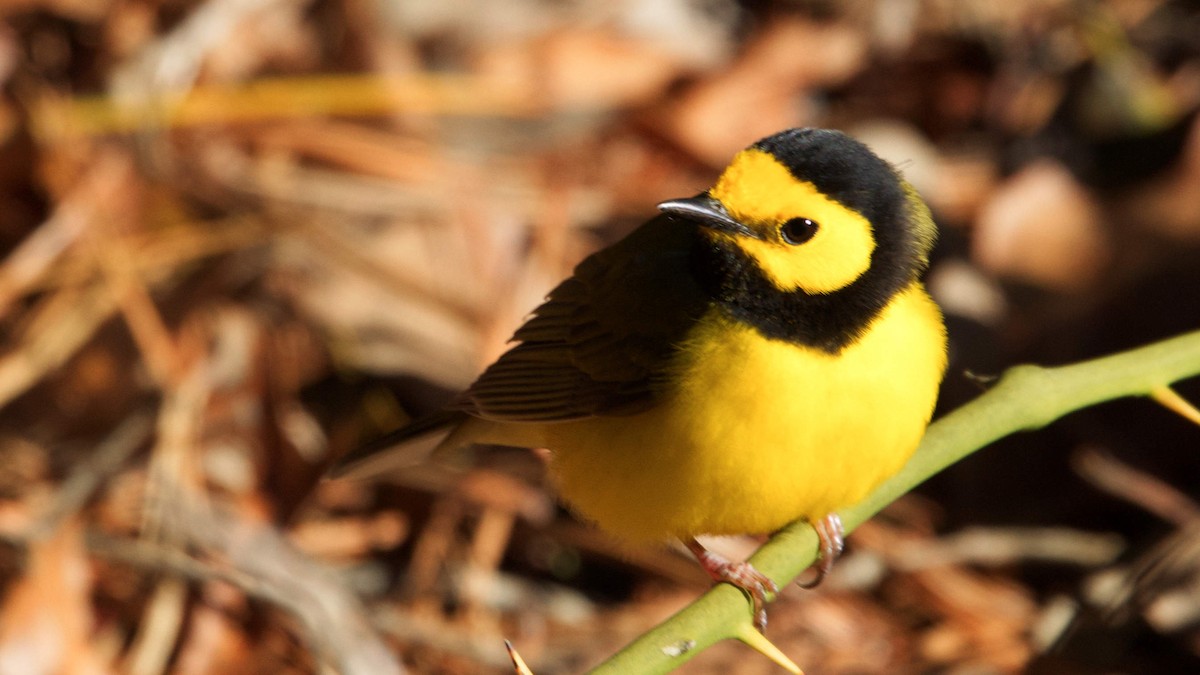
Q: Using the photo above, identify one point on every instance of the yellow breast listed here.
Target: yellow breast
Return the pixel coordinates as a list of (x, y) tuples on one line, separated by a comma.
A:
[(757, 433)]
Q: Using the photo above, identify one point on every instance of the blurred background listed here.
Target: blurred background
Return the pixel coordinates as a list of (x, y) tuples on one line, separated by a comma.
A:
[(241, 237)]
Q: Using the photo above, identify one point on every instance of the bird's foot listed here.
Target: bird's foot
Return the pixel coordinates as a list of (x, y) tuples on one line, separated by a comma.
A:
[(741, 574), (831, 537)]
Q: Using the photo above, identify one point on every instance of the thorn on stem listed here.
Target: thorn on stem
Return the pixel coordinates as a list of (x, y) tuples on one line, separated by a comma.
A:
[(519, 666), (1169, 399), (759, 643)]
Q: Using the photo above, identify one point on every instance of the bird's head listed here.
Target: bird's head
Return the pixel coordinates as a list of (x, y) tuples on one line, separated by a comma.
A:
[(812, 220)]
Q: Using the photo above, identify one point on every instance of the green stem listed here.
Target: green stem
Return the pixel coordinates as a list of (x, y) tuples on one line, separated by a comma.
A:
[(1026, 397)]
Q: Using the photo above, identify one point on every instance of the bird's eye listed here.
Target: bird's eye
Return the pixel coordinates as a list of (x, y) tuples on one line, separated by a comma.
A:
[(798, 230)]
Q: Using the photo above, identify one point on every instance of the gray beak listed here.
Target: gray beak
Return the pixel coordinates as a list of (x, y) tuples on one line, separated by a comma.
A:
[(706, 211)]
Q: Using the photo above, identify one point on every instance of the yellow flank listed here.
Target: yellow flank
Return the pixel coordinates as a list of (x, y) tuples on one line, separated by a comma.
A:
[(756, 432), (761, 193)]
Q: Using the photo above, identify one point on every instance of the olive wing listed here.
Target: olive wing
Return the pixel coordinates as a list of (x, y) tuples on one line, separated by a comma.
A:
[(602, 342)]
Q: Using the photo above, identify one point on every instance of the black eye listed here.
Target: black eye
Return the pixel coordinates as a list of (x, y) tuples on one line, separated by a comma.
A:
[(798, 230)]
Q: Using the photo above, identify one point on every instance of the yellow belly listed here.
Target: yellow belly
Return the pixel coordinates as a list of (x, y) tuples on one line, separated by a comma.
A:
[(757, 432)]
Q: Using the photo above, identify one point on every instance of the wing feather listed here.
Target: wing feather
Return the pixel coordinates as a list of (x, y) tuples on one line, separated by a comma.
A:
[(603, 340)]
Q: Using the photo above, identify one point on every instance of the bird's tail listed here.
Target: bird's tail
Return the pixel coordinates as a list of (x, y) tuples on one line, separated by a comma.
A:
[(405, 447)]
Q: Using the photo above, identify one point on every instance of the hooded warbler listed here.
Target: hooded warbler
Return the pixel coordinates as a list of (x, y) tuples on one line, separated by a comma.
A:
[(761, 353)]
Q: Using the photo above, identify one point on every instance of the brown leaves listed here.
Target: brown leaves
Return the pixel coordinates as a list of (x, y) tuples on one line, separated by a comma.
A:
[(1042, 227), (46, 620), (239, 237)]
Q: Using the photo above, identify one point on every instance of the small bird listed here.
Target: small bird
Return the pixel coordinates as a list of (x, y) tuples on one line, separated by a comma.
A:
[(758, 354)]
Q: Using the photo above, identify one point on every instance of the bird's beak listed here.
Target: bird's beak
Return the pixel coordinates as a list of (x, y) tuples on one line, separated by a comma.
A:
[(708, 212)]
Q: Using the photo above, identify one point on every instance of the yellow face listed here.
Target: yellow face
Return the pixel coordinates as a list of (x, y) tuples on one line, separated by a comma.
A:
[(804, 240)]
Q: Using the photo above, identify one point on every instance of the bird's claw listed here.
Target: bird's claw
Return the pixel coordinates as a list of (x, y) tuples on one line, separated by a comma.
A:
[(743, 575), (831, 538)]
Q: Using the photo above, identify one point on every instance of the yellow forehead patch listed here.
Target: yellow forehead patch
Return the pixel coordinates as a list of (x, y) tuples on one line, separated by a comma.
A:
[(762, 194)]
